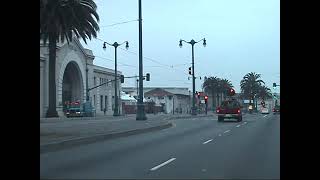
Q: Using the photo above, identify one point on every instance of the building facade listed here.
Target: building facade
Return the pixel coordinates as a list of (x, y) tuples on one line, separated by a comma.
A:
[(75, 73), (170, 99)]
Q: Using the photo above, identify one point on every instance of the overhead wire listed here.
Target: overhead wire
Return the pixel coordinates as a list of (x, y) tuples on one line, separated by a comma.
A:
[(124, 22), (171, 67)]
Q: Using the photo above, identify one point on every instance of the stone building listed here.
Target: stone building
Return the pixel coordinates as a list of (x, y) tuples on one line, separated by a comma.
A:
[(75, 73)]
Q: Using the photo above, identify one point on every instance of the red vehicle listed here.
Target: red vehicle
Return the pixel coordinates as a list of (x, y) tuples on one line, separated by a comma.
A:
[(276, 109), (229, 109)]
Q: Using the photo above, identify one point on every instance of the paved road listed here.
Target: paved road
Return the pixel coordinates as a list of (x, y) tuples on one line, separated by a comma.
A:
[(192, 148)]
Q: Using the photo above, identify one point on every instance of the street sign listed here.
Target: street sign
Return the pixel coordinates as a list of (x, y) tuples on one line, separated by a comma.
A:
[(246, 101)]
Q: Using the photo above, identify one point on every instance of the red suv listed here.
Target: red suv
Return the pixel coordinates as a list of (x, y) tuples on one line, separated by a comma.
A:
[(229, 109)]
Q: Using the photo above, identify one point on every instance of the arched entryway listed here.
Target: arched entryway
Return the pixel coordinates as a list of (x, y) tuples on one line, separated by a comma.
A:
[(72, 84)]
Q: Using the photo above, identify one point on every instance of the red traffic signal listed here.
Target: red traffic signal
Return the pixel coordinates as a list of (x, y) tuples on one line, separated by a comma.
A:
[(232, 92), (206, 99)]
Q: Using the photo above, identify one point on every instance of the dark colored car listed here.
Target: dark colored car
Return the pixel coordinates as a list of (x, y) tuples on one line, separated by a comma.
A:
[(74, 112), (229, 109), (276, 109)]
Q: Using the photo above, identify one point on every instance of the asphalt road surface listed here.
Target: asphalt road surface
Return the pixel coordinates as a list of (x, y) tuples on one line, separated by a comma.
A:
[(192, 148)]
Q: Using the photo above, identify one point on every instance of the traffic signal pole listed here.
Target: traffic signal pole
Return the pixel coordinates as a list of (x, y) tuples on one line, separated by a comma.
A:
[(193, 110), (116, 104)]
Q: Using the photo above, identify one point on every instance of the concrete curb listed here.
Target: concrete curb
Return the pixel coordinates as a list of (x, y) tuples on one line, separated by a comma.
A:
[(91, 139), (181, 117)]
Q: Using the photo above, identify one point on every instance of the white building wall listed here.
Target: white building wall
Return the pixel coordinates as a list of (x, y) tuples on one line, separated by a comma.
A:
[(65, 54)]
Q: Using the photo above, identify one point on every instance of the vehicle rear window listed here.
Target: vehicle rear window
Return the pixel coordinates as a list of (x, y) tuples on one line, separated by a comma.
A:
[(230, 104)]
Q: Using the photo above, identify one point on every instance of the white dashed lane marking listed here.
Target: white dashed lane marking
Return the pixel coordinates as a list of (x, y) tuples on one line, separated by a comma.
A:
[(226, 131), (163, 164), (208, 141)]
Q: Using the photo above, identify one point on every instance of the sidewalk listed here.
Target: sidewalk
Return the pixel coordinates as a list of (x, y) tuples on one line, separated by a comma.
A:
[(59, 133)]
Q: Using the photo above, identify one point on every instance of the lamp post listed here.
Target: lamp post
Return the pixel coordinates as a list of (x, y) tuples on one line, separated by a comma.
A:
[(192, 42), (87, 85), (115, 45)]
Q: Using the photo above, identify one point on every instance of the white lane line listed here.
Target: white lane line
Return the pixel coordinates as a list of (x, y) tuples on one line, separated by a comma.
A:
[(238, 125), (265, 115), (160, 165), (245, 123), (219, 134), (207, 141), (226, 131)]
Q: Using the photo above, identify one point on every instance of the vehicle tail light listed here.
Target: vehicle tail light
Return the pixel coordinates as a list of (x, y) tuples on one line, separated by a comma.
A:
[(273, 110), (218, 110), (238, 111)]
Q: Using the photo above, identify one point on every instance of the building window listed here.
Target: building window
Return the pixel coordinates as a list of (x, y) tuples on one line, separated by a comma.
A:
[(94, 100), (106, 102), (112, 102), (94, 81), (101, 103)]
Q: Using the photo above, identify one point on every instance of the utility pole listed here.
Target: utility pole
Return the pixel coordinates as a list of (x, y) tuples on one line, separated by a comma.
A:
[(140, 106), (137, 87)]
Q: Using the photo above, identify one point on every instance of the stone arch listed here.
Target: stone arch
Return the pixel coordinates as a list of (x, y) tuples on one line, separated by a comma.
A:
[(72, 59)]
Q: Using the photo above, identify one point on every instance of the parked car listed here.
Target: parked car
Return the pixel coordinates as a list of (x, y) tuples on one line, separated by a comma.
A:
[(229, 109), (74, 112), (276, 109)]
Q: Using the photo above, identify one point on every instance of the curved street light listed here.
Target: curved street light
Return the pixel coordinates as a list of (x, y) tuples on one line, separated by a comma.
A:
[(193, 42), (115, 45)]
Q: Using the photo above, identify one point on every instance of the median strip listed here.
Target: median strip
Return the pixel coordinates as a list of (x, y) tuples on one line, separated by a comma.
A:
[(163, 164)]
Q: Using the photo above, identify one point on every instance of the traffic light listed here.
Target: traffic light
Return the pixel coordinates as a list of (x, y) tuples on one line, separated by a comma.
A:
[(122, 78), (147, 77), (206, 99), (274, 85), (190, 71), (231, 92)]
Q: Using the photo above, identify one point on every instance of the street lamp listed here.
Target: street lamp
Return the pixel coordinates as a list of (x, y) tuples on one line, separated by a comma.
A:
[(192, 42), (115, 45)]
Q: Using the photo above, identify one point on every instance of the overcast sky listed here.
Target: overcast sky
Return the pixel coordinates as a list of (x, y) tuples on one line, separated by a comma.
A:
[(242, 36)]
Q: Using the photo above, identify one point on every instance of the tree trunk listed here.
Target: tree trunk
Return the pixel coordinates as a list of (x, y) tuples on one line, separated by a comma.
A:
[(218, 99), (52, 111), (213, 104)]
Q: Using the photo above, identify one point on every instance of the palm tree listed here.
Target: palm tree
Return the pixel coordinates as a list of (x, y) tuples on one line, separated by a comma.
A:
[(250, 85), (264, 92), (219, 90), (226, 85), (210, 86), (61, 19)]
